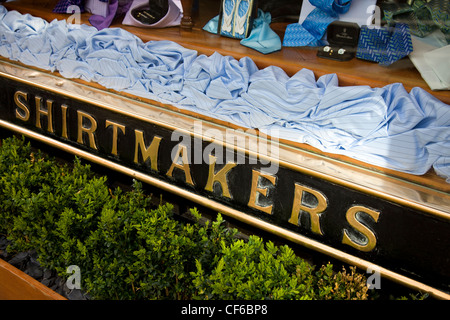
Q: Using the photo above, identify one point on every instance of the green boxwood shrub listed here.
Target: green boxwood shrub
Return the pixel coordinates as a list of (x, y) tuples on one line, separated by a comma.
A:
[(128, 248)]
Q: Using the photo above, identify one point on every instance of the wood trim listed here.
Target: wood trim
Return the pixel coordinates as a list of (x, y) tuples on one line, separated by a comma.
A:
[(17, 285)]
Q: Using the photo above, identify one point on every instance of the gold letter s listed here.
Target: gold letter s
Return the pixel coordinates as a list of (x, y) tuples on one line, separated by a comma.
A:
[(351, 218), (25, 114)]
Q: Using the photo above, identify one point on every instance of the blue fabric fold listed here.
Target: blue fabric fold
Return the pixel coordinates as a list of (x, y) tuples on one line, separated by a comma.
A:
[(386, 127), (262, 38)]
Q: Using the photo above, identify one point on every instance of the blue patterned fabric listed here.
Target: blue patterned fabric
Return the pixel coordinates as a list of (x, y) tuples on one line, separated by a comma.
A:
[(383, 45), (262, 38), (312, 30), (423, 17), (236, 16), (297, 36), (62, 5), (387, 127)]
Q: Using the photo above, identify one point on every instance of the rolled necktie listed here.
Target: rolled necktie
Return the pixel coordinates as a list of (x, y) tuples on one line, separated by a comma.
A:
[(384, 45), (171, 18), (63, 5), (312, 30)]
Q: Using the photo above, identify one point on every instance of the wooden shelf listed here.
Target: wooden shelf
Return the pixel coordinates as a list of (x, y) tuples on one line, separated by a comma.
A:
[(291, 60)]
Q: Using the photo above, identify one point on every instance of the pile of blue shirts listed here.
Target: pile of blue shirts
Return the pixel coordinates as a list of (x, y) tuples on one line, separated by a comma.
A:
[(387, 127)]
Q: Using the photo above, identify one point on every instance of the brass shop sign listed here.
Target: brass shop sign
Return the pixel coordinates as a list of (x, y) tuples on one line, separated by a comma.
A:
[(353, 214)]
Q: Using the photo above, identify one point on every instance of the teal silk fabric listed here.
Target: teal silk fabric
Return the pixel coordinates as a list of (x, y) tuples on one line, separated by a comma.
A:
[(262, 38)]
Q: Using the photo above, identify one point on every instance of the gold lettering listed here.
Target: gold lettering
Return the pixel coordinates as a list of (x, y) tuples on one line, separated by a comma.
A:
[(25, 115), (47, 113), (115, 126), (351, 216), (256, 191), (299, 206), (181, 152), (89, 130), (220, 176), (64, 121), (146, 153)]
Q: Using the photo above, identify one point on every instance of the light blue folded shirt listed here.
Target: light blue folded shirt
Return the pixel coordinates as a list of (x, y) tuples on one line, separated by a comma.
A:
[(387, 127)]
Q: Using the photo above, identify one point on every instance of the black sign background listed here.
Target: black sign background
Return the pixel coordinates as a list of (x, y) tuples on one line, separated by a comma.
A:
[(410, 242)]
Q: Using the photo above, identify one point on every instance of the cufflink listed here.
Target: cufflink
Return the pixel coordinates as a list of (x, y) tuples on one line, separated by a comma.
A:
[(326, 49), (341, 51)]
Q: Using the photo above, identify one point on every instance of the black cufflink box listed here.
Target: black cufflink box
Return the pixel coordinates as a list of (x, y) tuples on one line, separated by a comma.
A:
[(343, 40)]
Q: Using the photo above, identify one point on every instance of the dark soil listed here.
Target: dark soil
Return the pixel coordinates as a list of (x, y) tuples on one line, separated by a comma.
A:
[(28, 263)]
